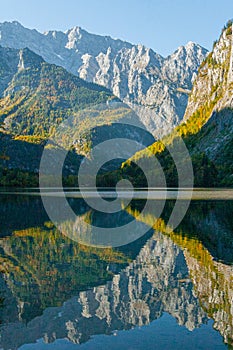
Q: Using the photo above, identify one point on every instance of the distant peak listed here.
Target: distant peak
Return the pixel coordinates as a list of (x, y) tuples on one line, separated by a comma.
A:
[(16, 23), (76, 29), (54, 33), (191, 44), (189, 48)]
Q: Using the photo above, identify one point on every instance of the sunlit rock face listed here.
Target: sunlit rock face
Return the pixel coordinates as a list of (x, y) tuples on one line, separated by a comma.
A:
[(211, 99), (136, 74)]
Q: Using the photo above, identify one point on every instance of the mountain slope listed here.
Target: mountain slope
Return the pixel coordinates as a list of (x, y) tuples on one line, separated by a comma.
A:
[(207, 127), (35, 94), (214, 88), (156, 87), (35, 97)]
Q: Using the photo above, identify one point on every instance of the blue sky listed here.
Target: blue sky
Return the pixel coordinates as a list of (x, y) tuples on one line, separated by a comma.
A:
[(160, 24)]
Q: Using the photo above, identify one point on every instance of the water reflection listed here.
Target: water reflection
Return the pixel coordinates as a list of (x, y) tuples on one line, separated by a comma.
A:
[(55, 288), (206, 239)]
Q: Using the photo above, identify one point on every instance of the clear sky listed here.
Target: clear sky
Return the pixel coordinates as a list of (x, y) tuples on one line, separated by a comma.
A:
[(160, 24)]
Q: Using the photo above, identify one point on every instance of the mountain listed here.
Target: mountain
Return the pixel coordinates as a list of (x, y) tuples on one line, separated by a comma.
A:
[(207, 127), (36, 96), (156, 87)]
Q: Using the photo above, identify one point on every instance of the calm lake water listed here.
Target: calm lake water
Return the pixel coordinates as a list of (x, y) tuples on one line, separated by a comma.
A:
[(166, 290)]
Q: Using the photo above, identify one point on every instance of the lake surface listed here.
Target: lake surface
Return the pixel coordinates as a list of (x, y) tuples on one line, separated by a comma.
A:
[(165, 290)]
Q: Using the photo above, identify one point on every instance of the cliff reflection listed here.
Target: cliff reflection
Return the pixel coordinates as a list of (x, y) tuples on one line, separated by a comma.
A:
[(156, 281), (55, 288), (207, 225)]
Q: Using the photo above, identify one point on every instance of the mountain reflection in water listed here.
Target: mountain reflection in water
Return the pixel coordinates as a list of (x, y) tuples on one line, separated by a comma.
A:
[(54, 288)]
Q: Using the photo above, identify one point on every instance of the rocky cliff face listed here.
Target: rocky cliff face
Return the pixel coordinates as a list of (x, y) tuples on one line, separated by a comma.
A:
[(156, 87), (212, 98), (215, 77), (211, 104), (207, 127)]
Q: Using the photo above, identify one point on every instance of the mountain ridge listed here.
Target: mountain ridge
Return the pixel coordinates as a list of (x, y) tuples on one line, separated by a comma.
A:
[(156, 87)]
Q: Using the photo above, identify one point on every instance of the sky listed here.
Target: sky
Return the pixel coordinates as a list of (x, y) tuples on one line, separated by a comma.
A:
[(162, 25)]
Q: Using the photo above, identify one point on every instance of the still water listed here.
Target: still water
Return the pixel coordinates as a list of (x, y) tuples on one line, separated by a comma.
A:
[(166, 290)]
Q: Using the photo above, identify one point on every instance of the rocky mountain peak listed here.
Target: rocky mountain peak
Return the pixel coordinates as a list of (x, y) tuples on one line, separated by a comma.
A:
[(136, 74), (191, 46), (54, 35), (9, 24), (75, 34), (28, 59), (179, 66)]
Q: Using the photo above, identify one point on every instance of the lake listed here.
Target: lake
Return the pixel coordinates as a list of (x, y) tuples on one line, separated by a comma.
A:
[(165, 289)]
